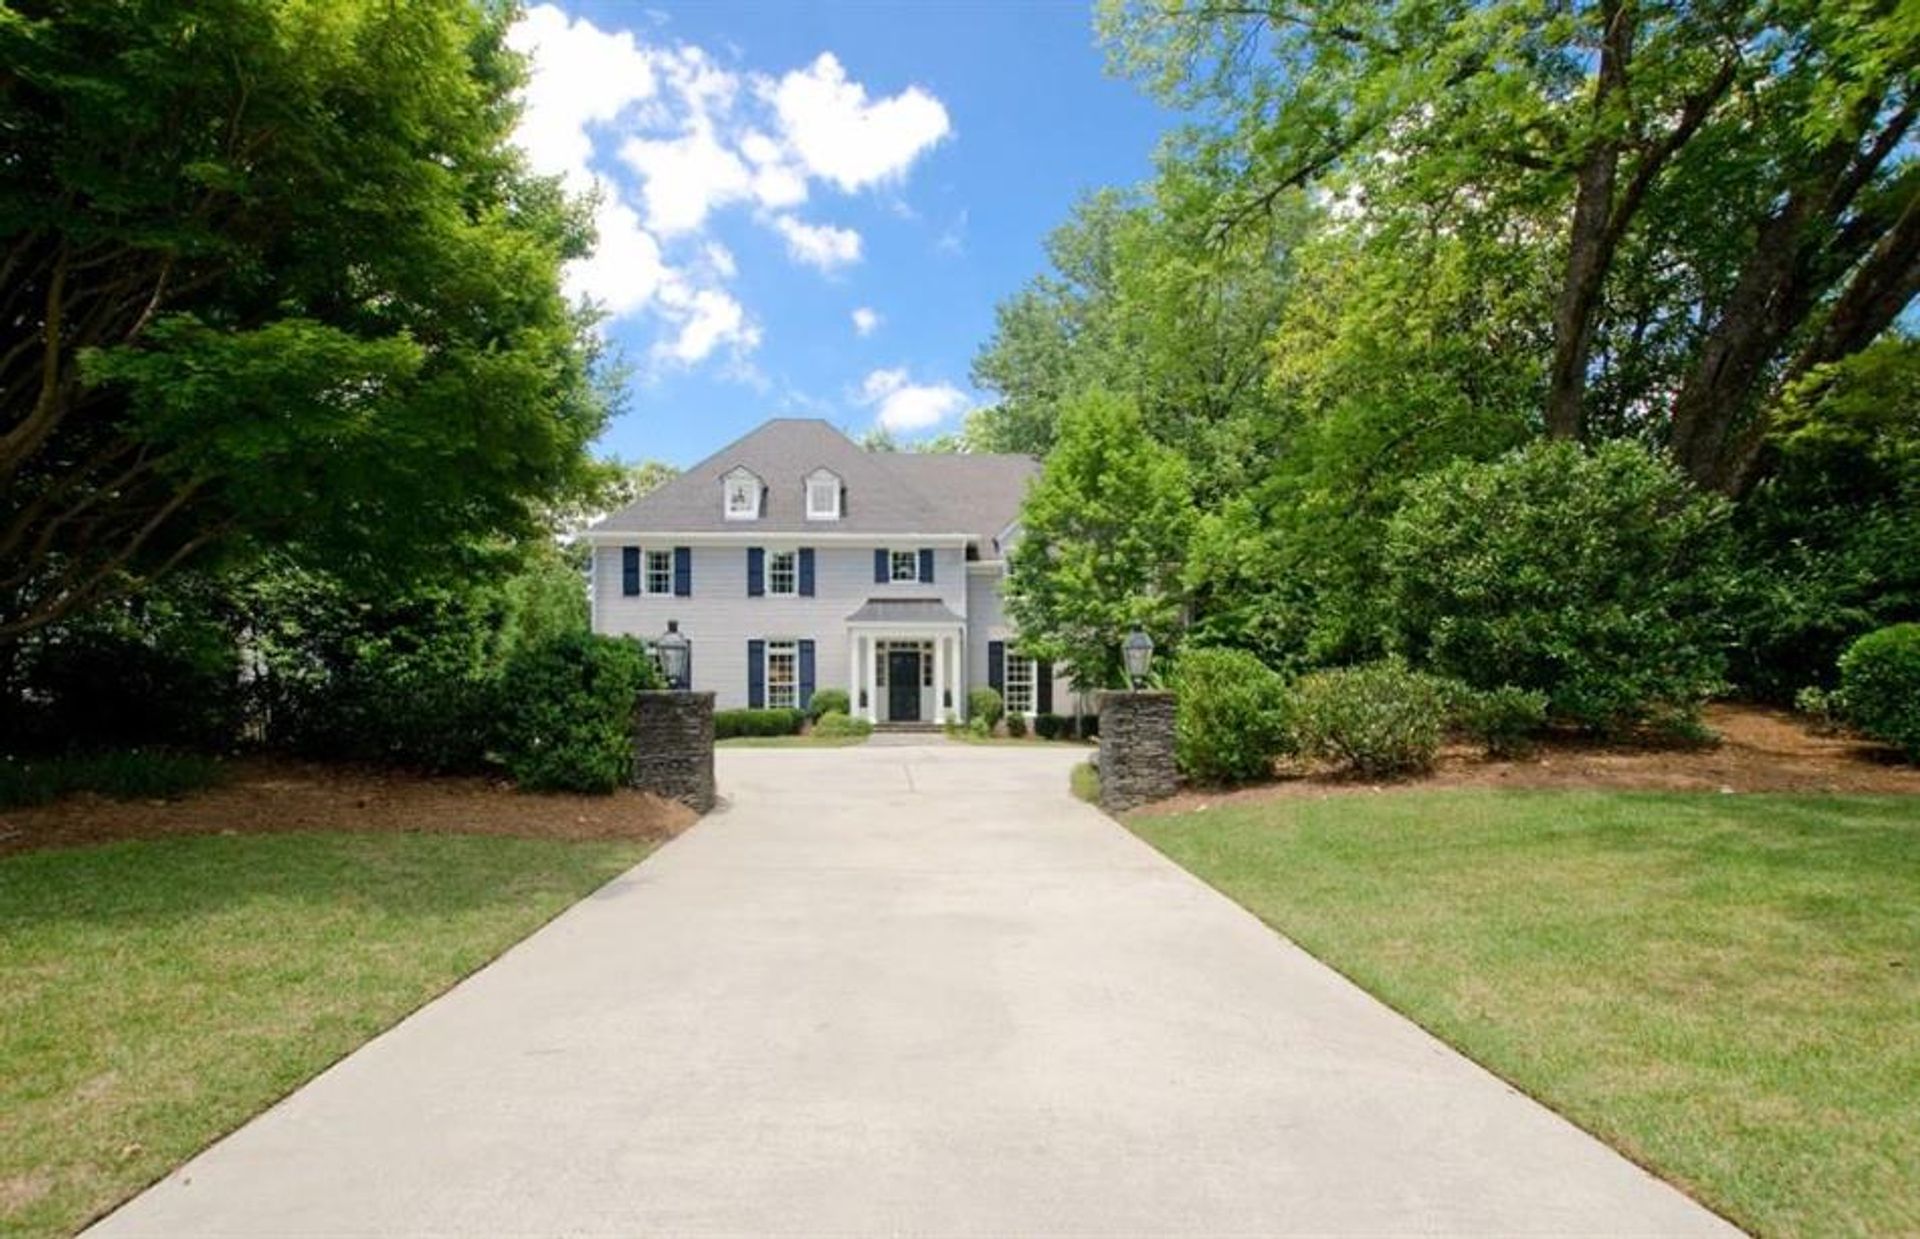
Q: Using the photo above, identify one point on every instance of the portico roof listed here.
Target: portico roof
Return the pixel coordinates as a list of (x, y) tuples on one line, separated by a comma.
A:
[(905, 611)]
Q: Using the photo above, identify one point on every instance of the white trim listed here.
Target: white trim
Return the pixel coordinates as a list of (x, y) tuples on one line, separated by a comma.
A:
[(732, 478), (768, 583), (766, 670), (984, 566), (807, 484), (750, 537)]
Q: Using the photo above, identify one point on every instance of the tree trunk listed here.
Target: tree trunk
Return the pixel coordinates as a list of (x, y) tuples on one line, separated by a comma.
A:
[(1589, 245)]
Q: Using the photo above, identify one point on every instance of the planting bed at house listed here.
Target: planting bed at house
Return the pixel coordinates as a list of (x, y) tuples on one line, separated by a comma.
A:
[(1723, 986), (170, 969)]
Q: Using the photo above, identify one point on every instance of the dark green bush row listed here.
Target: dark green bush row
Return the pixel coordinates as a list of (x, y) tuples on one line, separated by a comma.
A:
[(728, 724), (127, 774)]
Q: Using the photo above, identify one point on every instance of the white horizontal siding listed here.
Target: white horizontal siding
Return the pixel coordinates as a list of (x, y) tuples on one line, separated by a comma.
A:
[(719, 618)]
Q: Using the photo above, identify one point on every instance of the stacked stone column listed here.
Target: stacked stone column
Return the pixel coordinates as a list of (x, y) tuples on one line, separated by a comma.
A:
[(673, 747), (1136, 749)]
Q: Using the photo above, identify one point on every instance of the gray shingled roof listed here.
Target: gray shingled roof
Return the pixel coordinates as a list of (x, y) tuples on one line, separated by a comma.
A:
[(885, 492), (904, 611)]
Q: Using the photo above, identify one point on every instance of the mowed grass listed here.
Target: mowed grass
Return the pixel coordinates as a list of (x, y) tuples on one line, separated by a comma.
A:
[(1726, 988), (154, 995)]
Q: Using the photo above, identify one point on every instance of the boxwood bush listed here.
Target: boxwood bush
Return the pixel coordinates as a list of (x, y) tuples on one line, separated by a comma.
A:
[(1051, 726), (1230, 716), (985, 703), (827, 701), (727, 724), (837, 725), (567, 712), (1594, 577), (1506, 720), (1379, 719), (1880, 686)]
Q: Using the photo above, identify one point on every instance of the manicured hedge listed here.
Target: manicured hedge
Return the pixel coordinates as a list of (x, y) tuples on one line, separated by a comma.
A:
[(1378, 719), (1230, 719), (727, 724), (1880, 685), (566, 719), (828, 701)]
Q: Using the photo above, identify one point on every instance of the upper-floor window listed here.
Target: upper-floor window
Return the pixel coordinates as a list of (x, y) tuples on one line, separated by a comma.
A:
[(740, 492), (783, 574), (823, 497), (904, 566), (659, 572)]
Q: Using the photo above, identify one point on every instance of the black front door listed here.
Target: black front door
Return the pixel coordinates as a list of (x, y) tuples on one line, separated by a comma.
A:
[(903, 686)]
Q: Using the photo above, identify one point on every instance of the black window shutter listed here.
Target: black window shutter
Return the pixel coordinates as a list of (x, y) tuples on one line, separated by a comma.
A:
[(880, 566), (756, 675), (926, 565), (1044, 674), (806, 674), (997, 666), (756, 571), (629, 570), (806, 572), (683, 572)]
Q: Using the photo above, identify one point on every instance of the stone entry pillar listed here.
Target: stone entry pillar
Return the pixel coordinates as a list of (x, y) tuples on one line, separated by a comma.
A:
[(1136, 749), (673, 747)]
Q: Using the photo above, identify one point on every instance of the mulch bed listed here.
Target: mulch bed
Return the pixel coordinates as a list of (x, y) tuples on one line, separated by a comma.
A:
[(1760, 750), (260, 796)]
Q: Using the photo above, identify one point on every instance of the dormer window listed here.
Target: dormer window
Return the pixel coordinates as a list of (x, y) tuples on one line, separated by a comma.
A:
[(823, 496), (740, 496)]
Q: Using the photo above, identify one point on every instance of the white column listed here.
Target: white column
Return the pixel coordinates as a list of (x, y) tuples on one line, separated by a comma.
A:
[(867, 662), (853, 674), (939, 679)]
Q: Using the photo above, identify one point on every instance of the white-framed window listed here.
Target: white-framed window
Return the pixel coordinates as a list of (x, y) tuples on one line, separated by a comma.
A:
[(823, 497), (903, 565), (740, 496), (1017, 681), (783, 675), (659, 573), (783, 572)]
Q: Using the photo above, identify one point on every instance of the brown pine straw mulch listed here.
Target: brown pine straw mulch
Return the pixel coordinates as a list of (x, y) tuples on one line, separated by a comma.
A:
[(264, 795), (1759, 750)]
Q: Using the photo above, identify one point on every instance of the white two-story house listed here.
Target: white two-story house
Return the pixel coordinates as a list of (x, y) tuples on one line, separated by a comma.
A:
[(795, 560)]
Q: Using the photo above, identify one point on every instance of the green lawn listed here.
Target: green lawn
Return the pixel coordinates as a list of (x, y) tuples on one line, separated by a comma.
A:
[(154, 995), (1727, 988)]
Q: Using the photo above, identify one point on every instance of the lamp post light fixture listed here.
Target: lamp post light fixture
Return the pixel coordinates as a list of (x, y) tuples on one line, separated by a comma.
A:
[(672, 650), (1137, 649)]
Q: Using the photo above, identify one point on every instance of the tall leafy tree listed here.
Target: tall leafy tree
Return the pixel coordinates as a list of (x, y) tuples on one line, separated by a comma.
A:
[(271, 274), (1103, 532), (1728, 188)]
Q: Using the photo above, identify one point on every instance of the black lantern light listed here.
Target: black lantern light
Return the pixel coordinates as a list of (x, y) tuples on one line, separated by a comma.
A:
[(1137, 649), (672, 650)]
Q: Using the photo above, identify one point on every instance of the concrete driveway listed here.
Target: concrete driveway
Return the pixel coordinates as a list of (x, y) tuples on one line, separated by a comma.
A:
[(906, 990)]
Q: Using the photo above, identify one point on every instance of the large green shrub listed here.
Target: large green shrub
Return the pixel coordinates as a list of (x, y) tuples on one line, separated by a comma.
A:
[(827, 701), (729, 724), (1230, 716), (1880, 684), (1376, 719), (985, 703), (1593, 577), (567, 712), (1051, 726)]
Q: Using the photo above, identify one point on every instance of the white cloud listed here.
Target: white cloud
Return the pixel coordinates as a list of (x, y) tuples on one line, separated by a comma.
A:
[(707, 318), (625, 270), (865, 321), (579, 75), (819, 245), (902, 404), (667, 137), (841, 137)]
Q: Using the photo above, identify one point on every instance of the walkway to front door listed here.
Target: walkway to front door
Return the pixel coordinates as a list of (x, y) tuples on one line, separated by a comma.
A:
[(907, 990)]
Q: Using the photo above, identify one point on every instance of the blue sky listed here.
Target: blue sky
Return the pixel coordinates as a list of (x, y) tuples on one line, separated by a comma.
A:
[(769, 170)]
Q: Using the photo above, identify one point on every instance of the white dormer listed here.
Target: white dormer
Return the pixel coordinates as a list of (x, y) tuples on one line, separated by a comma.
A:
[(823, 495), (740, 492)]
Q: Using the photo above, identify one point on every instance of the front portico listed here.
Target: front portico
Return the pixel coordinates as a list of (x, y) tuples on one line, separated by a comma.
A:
[(906, 660)]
